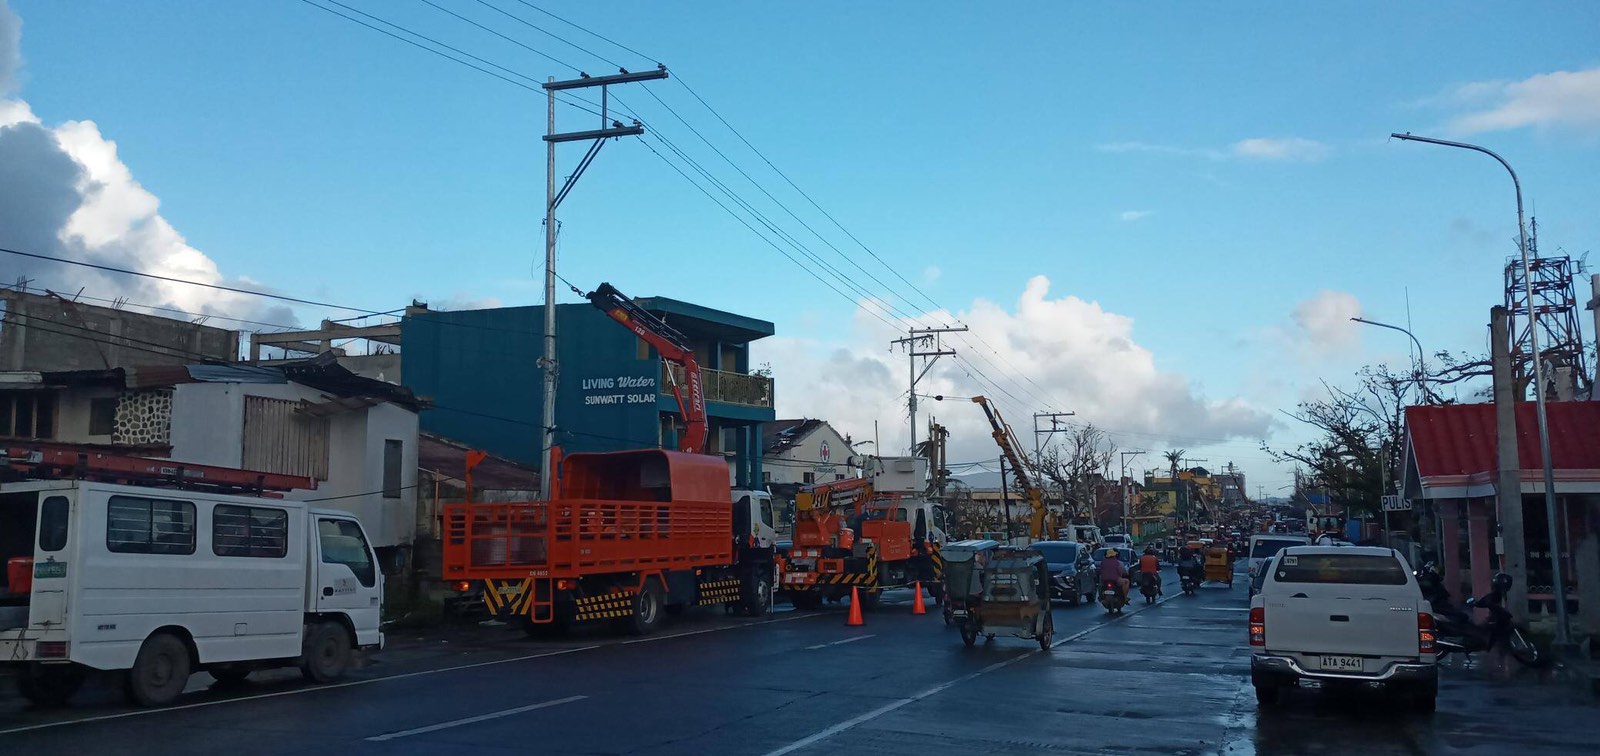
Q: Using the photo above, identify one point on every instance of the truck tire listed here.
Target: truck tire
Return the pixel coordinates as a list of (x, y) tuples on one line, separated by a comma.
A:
[(805, 600), (758, 595), (647, 611), (160, 671), (1268, 696), (49, 686), (1425, 697), (325, 652)]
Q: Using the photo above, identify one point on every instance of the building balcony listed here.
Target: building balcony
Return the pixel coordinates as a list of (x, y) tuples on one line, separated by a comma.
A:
[(723, 386)]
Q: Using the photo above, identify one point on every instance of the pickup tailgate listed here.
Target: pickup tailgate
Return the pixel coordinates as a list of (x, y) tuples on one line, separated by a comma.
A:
[(1335, 619)]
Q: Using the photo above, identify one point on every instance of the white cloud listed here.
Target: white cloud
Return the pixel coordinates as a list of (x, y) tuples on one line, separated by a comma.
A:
[(1324, 324), (1062, 349), (65, 192), (931, 274), (1294, 149), (1560, 99), (463, 301), (1135, 215)]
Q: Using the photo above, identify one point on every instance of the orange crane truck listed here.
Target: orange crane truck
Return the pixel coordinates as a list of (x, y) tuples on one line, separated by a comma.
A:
[(848, 534), (626, 536)]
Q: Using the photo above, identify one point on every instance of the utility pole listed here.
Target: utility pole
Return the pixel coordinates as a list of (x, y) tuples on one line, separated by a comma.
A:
[(1005, 497), (552, 198), (930, 341), (1124, 481), (1046, 433)]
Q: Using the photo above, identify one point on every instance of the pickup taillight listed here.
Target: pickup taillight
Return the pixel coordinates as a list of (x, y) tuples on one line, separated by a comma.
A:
[(1258, 626), (1426, 635)]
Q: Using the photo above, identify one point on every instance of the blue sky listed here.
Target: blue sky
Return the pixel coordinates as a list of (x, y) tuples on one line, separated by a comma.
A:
[(1106, 147)]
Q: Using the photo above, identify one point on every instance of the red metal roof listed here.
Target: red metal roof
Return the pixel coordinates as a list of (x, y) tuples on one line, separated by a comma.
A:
[(1459, 439)]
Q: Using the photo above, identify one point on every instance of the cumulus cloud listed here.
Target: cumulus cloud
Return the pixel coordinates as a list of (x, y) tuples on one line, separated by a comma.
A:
[(1288, 149), (1294, 149), (65, 192), (1129, 216), (1059, 348), (1324, 324), (1567, 100)]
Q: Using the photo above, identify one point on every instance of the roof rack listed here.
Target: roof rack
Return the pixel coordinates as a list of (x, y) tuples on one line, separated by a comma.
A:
[(34, 460)]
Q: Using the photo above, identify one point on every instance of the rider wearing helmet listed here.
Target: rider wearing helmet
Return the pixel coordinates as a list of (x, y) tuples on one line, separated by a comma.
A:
[(1150, 564), (1112, 569)]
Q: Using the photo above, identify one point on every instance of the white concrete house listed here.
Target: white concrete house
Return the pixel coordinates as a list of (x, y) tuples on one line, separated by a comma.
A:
[(355, 437), (804, 452)]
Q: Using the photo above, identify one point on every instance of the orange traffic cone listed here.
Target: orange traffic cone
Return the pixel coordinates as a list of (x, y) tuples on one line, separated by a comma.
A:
[(855, 619), (916, 601)]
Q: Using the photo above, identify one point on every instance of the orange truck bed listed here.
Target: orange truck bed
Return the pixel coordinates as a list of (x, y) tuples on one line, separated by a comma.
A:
[(633, 511)]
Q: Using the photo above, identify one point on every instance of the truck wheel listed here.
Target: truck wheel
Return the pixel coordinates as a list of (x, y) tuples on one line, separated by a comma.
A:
[(805, 600), (647, 611), (49, 686), (325, 652), (1425, 697), (758, 596), (159, 671), (1268, 696)]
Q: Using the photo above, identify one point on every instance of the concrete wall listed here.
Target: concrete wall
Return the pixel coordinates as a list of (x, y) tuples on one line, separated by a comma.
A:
[(208, 428), (77, 336)]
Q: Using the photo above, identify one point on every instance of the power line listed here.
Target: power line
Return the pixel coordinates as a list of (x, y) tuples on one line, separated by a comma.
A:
[(540, 53), (547, 33), (591, 33)]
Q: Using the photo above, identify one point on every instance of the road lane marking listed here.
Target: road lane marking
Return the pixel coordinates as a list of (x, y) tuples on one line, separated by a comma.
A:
[(297, 691), (824, 734), (316, 688), (473, 720), (840, 642), (1226, 608)]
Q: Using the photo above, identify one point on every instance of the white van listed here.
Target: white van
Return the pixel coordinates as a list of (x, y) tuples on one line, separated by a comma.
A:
[(1264, 546), (165, 582)]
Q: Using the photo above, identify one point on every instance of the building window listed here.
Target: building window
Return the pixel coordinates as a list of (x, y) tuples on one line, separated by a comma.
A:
[(766, 477), (279, 438), (136, 525), (102, 416), (28, 414), (392, 449), (838, 477), (808, 478), (249, 531)]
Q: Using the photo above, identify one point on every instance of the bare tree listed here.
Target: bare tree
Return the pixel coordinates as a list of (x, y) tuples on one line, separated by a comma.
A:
[(1075, 466)]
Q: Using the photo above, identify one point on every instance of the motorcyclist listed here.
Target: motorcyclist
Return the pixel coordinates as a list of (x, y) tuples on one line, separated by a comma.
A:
[(1189, 562), (1113, 570), (1150, 567)]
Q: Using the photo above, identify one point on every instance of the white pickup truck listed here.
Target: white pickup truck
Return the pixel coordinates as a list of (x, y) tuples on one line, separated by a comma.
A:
[(1342, 616)]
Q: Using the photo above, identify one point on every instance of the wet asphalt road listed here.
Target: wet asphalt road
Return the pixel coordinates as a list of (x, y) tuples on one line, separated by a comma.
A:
[(1170, 678)]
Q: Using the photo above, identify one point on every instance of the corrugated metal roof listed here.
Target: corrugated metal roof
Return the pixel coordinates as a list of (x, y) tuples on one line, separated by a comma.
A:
[(1459, 439)]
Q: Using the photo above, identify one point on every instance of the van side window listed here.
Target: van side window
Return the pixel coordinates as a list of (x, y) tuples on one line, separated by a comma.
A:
[(53, 516), (342, 543), (136, 525), (249, 531)]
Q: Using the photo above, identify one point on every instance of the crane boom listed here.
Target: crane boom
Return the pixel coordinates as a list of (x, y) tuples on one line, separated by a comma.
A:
[(673, 347), (1039, 522)]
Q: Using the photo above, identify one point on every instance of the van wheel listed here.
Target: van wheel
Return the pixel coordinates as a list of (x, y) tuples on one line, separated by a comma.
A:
[(647, 611), (49, 686), (160, 671), (325, 652)]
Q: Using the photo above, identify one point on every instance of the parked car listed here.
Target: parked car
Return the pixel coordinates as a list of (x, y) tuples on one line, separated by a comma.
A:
[(1068, 563), (1342, 616)]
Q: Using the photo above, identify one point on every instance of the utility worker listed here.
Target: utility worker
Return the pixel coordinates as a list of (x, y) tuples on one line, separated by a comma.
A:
[(1150, 565)]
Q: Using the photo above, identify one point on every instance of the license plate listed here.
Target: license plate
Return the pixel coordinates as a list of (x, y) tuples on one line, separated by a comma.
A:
[(958, 613), (1340, 663), (510, 590)]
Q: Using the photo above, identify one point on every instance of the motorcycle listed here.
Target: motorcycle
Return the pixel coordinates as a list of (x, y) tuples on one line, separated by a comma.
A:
[(1148, 587), (1458, 633), (1111, 597), (1188, 578)]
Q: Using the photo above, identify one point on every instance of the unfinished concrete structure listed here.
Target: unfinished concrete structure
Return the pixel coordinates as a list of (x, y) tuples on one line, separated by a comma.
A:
[(50, 332)]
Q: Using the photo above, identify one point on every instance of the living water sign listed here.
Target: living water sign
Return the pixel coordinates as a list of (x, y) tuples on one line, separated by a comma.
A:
[(618, 389)]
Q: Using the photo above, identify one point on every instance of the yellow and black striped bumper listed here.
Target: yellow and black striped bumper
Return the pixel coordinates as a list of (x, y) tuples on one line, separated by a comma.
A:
[(507, 597)]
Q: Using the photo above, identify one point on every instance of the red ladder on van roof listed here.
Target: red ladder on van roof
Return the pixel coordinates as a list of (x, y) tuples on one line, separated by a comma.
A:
[(49, 461)]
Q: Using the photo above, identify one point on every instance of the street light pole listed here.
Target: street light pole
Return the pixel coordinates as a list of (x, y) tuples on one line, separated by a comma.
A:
[(1422, 365), (1563, 633), (1125, 529)]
